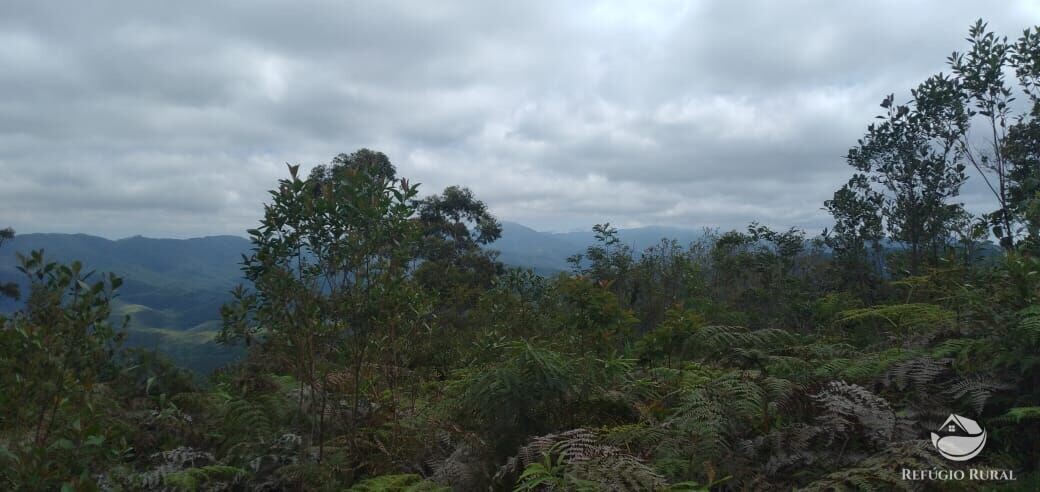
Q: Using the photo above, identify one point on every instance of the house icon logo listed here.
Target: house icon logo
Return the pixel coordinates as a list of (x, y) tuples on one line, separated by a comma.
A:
[(959, 439)]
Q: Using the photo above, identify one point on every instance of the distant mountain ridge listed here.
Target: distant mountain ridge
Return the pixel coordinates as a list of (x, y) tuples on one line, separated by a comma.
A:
[(547, 252), (169, 273), (173, 288), (187, 275), (638, 238), (543, 252)]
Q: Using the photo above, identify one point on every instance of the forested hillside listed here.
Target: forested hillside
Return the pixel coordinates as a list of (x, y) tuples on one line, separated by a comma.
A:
[(386, 347), (173, 288)]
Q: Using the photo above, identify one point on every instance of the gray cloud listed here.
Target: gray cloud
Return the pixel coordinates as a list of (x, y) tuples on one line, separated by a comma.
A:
[(173, 119)]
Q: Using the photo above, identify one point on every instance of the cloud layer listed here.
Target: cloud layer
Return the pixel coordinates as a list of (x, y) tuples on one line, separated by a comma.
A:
[(173, 119)]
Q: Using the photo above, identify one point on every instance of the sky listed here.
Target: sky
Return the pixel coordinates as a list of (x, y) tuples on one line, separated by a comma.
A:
[(173, 119)]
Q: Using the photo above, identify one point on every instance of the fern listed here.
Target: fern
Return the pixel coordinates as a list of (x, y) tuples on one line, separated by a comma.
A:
[(917, 372), (848, 408), (1025, 336), (578, 459), (976, 390), (880, 471), (241, 414), (871, 366), (398, 483), (1018, 414), (1029, 325), (183, 467), (908, 318), (847, 414), (213, 477), (463, 468), (550, 474), (527, 373), (717, 341), (631, 437), (956, 347), (280, 452), (709, 428), (792, 447)]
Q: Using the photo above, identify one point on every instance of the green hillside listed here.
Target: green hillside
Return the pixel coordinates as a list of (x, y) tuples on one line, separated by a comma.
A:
[(172, 290), (192, 347)]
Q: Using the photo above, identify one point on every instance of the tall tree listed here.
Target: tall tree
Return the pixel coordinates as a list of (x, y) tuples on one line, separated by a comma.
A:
[(969, 117), (455, 266), (364, 161), (1022, 146), (998, 136), (8, 289), (1022, 150), (609, 263), (985, 97), (455, 225), (912, 160), (330, 265), (855, 239)]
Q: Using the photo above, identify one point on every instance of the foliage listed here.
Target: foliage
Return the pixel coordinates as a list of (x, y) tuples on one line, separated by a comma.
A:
[(55, 371), (329, 266), (577, 460), (398, 483), (386, 349)]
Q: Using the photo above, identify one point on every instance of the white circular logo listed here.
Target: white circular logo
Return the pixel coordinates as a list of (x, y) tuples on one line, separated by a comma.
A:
[(959, 439)]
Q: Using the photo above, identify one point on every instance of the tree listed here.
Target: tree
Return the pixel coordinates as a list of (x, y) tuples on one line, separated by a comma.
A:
[(995, 136), (364, 161), (609, 264), (1022, 145), (985, 95), (330, 266), (455, 266), (1022, 150), (55, 356), (455, 228), (8, 289), (609, 259), (666, 274), (856, 236), (911, 160), (967, 117), (593, 319)]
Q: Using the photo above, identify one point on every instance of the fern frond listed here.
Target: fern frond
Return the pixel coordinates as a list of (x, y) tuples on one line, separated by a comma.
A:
[(869, 367), (1018, 414), (398, 483), (212, 477), (846, 405), (1028, 329), (631, 437), (582, 457), (719, 338), (880, 471), (976, 390), (919, 371), (912, 317)]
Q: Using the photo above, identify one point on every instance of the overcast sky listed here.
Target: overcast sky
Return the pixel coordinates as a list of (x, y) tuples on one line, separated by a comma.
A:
[(172, 120)]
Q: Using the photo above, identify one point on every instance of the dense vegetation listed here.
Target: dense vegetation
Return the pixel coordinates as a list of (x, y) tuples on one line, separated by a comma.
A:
[(173, 288), (387, 349)]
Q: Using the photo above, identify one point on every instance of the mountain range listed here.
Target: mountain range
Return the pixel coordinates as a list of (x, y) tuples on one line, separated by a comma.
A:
[(173, 288)]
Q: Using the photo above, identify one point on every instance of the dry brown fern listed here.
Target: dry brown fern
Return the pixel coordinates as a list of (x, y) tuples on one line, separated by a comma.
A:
[(587, 458)]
